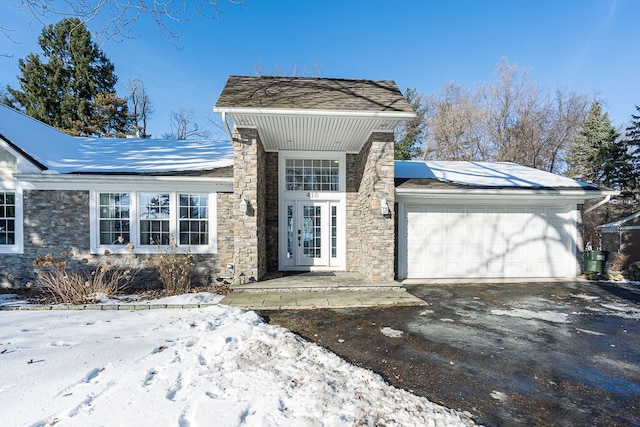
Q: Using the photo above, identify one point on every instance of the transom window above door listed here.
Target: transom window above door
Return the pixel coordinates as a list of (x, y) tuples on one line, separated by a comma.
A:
[(312, 175)]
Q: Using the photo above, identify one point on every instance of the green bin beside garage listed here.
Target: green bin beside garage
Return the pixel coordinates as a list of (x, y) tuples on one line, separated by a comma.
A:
[(594, 261)]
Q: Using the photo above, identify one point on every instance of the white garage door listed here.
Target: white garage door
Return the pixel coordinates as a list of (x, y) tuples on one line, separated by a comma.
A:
[(487, 241)]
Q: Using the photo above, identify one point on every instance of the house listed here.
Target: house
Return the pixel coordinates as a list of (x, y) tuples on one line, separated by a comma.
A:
[(621, 238), (307, 183), (488, 220)]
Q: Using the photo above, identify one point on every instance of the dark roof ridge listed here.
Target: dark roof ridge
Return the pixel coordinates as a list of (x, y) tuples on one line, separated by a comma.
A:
[(312, 93)]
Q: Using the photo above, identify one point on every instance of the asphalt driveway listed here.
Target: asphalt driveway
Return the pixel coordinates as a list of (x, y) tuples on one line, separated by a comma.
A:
[(508, 353)]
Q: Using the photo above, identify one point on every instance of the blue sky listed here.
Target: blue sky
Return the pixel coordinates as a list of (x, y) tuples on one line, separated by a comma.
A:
[(590, 46)]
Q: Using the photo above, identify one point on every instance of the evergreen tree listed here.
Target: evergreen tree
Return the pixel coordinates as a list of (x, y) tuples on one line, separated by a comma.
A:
[(633, 140), (410, 135), (599, 156), (63, 89)]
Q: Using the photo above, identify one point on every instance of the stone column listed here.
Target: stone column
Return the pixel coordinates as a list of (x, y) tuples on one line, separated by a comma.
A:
[(377, 231), (248, 184)]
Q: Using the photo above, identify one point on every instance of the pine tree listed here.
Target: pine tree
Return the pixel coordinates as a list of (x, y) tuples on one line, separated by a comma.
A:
[(599, 156), (633, 141), (63, 89), (410, 135)]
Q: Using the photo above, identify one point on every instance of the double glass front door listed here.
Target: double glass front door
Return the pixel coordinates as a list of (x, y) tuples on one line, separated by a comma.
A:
[(312, 233)]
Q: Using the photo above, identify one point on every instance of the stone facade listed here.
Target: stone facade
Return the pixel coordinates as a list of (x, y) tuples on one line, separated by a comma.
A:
[(249, 183), (56, 221), (370, 235), (272, 213)]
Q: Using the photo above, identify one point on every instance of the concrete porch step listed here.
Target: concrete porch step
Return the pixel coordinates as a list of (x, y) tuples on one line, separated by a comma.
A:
[(317, 282), (319, 290), (314, 287), (305, 300)]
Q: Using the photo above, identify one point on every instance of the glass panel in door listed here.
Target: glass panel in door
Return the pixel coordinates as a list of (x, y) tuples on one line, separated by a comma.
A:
[(311, 233)]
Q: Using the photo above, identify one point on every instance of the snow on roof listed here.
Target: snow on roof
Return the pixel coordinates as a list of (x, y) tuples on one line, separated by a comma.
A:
[(485, 174), (65, 154)]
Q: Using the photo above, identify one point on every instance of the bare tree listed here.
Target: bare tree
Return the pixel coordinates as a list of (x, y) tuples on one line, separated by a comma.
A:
[(510, 119), (456, 126), (506, 99), (141, 107), (184, 126), (6, 33), (119, 17), (568, 113), (296, 71)]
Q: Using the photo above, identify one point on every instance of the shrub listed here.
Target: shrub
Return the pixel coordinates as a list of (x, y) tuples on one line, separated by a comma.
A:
[(174, 269), (81, 285)]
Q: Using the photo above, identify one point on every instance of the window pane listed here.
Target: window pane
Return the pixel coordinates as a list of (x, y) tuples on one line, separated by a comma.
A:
[(194, 219), (154, 219), (7, 215), (114, 218), (312, 175), (334, 231)]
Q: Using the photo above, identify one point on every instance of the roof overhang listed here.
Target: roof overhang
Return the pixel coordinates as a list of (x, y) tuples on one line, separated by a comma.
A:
[(313, 130), (478, 195), (53, 181), (25, 161)]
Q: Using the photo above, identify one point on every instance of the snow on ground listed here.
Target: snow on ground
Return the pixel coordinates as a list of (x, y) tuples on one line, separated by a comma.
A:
[(390, 332), (549, 316), (584, 296), (623, 310), (189, 367)]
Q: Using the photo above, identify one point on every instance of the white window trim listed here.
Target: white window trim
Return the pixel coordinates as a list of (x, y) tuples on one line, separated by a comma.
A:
[(283, 156), (97, 248), (290, 196), (18, 245)]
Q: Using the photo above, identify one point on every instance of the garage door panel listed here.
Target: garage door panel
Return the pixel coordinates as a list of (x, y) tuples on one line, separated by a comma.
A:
[(486, 241)]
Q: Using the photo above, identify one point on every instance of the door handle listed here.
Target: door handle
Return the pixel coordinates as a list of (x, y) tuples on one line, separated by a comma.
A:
[(299, 237)]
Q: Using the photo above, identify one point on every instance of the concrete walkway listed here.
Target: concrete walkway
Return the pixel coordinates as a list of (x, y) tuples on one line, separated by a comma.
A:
[(319, 290)]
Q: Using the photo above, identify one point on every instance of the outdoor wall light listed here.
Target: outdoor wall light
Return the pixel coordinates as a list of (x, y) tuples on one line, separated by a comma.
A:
[(244, 206), (384, 208)]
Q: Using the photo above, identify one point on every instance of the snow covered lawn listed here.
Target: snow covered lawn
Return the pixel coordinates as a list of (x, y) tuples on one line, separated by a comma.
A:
[(214, 366)]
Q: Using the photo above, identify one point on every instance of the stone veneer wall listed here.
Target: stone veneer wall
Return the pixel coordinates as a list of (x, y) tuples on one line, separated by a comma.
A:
[(271, 181), (370, 236), (249, 182), (56, 221)]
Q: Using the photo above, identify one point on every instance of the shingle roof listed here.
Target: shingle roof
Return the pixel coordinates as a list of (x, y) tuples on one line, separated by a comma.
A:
[(312, 93), (481, 175), (49, 148)]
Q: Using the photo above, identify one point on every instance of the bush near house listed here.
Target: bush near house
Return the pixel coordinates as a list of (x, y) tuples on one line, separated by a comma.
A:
[(80, 284), (174, 269)]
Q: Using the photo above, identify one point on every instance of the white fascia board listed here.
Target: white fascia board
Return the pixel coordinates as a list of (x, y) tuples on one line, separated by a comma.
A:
[(130, 182), (23, 163), (416, 193), (402, 115)]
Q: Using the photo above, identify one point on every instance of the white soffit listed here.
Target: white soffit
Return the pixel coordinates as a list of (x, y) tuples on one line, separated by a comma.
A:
[(317, 131)]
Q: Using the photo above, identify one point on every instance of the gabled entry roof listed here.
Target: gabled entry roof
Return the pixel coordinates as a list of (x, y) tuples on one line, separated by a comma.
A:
[(307, 93), (303, 113)]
